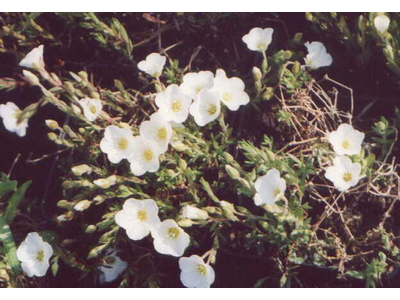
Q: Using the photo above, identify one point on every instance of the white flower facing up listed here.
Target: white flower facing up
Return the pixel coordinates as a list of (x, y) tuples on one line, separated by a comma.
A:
[(346, 140), (10, 113), (138, 217), (194, 213), (195, 273), (206, 107), (117, 143), (170, 239), (34, 59), (153, 65), (158, 130), (174, 104), (194, 83), (381, 23), (258, 39), (317, 56), (344, 173), (34, 255), (112, 267), (144, 157), (91, 108), (269, 187), (230, 90)]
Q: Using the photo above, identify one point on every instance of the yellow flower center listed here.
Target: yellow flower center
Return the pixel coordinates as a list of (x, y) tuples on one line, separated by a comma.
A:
[(276, 192), (199, 89), (211, 109), (92, 109), (148, 154), (162, 133), (227, 97), (262, 46), (173, 233), (176, 106), (142, 215), (123, 143), (201, 269), (347, 177), (40, 255), (346, 145)]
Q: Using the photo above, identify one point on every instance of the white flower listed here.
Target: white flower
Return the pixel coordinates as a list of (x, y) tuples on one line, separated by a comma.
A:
[(153, 65), (30, 77), (34, 255), (82, 205), (269, 187), (344, 174), (206, 107), (144, 157), (346, 140), (117, 143), (258, 39), (10, 114), (381, 23), (138, 217), (170, 239), (81, 169), (158, 130), (193, 83), (34, 59), (230, 90), (174, 104), (195, 273), (91, 108), (194, 213), (112, 267), (317, 56)]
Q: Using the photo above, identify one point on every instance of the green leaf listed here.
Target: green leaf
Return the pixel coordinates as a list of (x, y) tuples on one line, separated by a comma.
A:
[(6, 187), (14, 201), (7, 239)]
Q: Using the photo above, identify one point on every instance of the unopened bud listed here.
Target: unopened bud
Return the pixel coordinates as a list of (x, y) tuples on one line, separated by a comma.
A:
[(228, 157), (264, 66), (53, 125), (268, 94), (30, 77), (81, 169), (64, 204), (91, 229), (182, 164), (257, 75), (52, 136), (232, 172)]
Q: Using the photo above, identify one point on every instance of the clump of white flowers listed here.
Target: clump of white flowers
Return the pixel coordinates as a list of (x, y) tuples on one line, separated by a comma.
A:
[(269, 188), (91, 108), (344, 173), (153, 65), (258, 39), (346, 140), (34, 255), (113, 266), (11, 115), (317, 56), (195, 273)]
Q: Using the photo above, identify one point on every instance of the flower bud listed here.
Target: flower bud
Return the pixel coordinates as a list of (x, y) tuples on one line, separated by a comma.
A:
[(69, 87), (52, 136), (232, 172), (185, 223), (64, 204), (105, 183), (257, 74), (268, 94), (182, 164), (264, 66), (30, 77), (91, 229), (53, 125), (82, 205), (228, 157), (81, 169), (257, 85), (76, 110)]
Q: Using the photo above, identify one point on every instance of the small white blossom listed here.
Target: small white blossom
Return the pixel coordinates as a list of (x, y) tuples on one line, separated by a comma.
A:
[(170, 239), (258, 39), (117, 143), (269, 187), (194, 213), (153, 65), (82, 205), (138, 217), (158, 130), (230, 90), (144, 157), (91, 108), (34, 59), (206, 107), (34, 255), (194, 83), (381, 23), (346, 140), (10, 114), (112, 267), (344, 173), (195, 273), (317, 56), (174, 104)]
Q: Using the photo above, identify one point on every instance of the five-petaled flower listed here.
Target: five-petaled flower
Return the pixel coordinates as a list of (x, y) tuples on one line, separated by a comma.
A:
[(34, 255), (144, 156), (195, 273), (158, 130), (206, 107), (138, 217), (153, 65), (258, 39), (317, 56), (170, 239), (194, 83), (269, 188), (344, 173), (34, 59), (91, 108), (117, 143), (346, 140), (11, 115), (112, 266)]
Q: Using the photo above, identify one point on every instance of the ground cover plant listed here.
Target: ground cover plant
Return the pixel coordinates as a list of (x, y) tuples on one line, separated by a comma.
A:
[(199, 150)]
